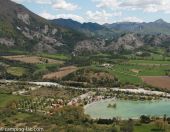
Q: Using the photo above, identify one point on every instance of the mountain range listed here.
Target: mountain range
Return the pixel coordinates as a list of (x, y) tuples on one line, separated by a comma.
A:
[(69, 23), (158, 26), (22, 29)]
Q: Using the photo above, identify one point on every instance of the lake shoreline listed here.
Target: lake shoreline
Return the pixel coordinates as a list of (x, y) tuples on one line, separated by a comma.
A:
[(107, 101)]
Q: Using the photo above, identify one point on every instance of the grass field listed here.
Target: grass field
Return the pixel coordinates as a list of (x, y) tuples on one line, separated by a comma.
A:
[(149, 62), (142, 70), (131, 73), (16, 71), (150, 128), (13, 52), (155, 53), (56, 56), (123, 73), (33, 59), (126, 78), (45, 66), (126, 74), (153, 56), (19, 117), (5, 99)]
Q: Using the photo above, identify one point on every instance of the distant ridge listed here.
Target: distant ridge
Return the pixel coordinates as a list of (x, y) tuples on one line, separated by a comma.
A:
[(69, 23), (160, 21), (156, 27)]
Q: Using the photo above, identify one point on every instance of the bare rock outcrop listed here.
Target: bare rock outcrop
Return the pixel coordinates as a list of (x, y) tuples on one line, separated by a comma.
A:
[(7, 42), (89, 46), (24, 17), (127, 42)]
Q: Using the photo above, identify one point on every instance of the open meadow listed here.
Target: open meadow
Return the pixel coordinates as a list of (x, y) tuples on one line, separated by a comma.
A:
[(32, 59)]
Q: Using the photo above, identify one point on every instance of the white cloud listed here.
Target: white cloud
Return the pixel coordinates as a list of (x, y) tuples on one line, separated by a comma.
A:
[(62, 4), (131, 19), (71, 16), (145, 5), (56, 4), (101, 16), (35, 1), (43, 1), (49, 16), (117, 13), (107, 3), (18, 1)]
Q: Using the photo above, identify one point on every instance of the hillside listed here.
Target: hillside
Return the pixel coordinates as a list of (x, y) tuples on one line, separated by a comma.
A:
[(24, 30), (126, 43), (90, 78)]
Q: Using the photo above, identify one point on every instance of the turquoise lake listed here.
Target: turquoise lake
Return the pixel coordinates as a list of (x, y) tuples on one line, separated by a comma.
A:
[(126, 109)]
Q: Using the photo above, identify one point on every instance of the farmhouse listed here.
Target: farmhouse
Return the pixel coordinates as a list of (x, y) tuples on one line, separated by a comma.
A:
[(107, 65)]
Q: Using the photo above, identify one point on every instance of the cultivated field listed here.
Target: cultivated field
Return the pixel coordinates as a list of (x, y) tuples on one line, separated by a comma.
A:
[(55, 56), (131, 73), (61, 73), (16, 71), (149, 62), (33, 59), (157, 81)]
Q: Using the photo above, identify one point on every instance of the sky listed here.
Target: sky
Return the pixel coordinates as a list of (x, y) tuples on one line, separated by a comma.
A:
[(101, 11)]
